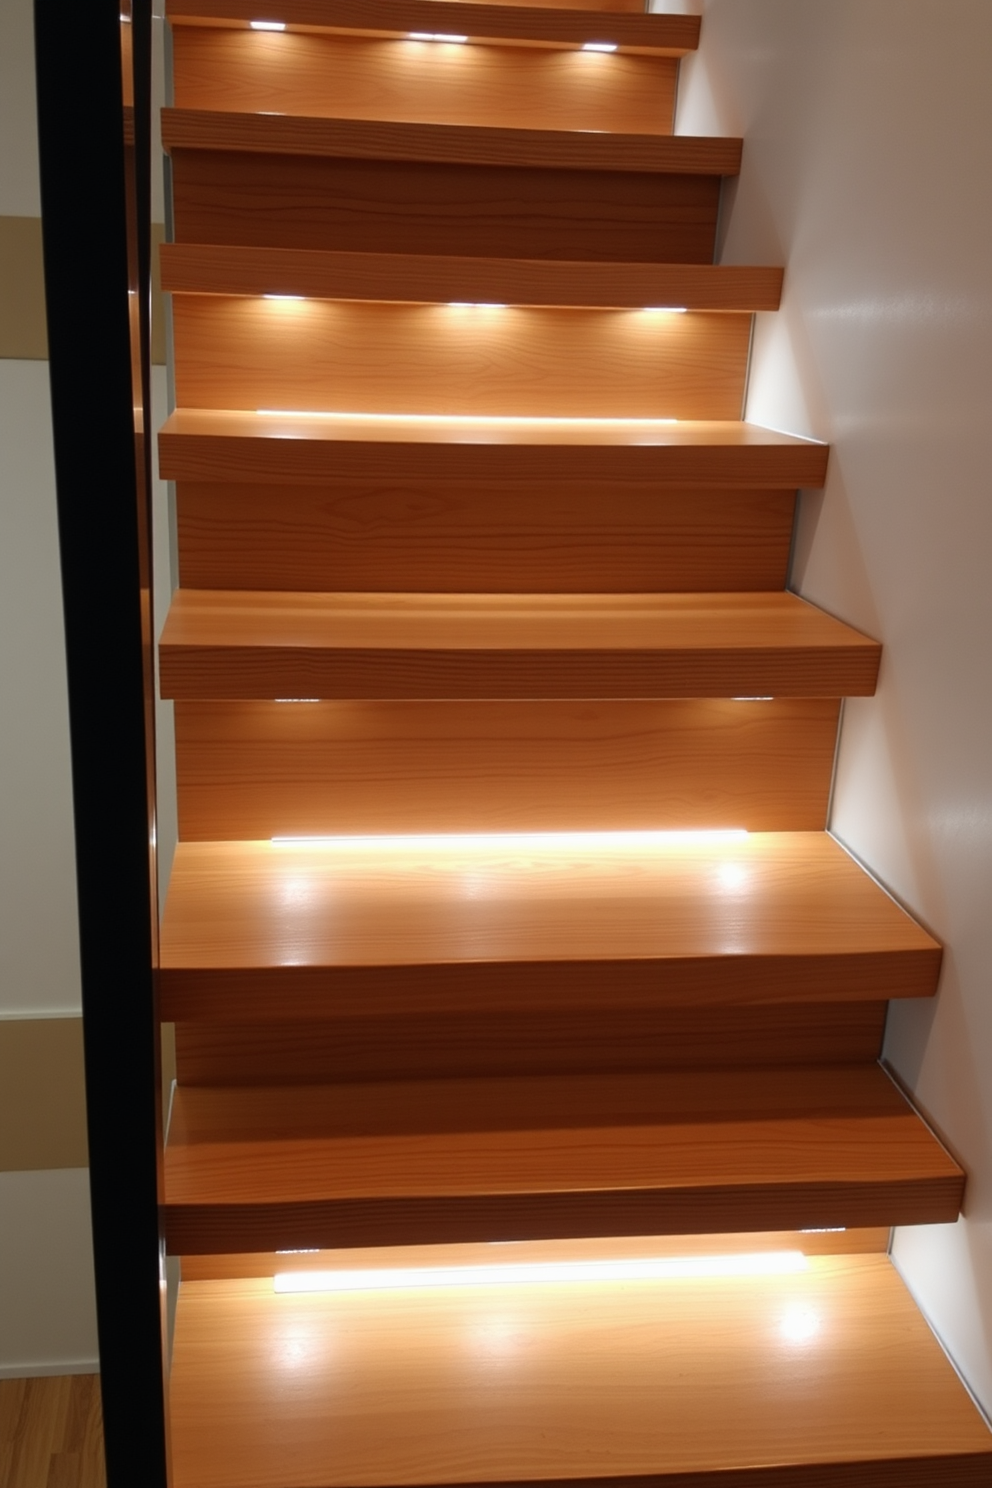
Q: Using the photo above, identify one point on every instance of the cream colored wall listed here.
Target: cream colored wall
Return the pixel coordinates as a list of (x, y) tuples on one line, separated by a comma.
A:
[(47, 1314), (868, 172)]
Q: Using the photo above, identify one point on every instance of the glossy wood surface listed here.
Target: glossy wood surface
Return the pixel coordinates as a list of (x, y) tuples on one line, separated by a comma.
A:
[(219, 445), (450, 144), (283, 931), (228, 195), (258, 769), (407, 530), (51, 1432), (210, 268), (461, 1160), (225, 644), (572, 1383), (458, 360), (475, 1043), (525, 22), (242, 71), (874, 1241)]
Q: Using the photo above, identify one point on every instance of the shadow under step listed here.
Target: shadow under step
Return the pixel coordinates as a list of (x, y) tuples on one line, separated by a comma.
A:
[(375, 927), (825, 1377), (264, 644), (461, 1160)]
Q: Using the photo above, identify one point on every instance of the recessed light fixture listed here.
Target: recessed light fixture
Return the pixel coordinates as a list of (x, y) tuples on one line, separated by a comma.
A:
[(675, 1268), (467, 419), (599, 46), (267, 25), (475, 305), (522, 841), (283, 297), (767, 699), (435, 36), (664, 309), (296, 700)]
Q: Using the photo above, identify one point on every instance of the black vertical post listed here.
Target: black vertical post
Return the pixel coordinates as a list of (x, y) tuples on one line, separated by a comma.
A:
[(94, 123)]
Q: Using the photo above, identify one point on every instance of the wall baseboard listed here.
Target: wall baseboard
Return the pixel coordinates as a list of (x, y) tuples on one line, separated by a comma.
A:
[(44, 1371)]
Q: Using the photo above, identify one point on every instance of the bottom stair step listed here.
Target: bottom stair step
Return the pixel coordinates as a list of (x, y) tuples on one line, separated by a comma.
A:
[(465, 1160), (819, 1378)]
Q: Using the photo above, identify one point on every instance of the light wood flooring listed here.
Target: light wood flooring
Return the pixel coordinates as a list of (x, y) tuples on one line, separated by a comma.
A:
[(51, 1433)]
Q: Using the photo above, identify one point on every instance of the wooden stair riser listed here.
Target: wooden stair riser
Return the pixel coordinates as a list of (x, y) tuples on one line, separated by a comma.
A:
[(405, 532), (361, 78), (258, 770), (372, 206), (317, 355), (480, 1045)]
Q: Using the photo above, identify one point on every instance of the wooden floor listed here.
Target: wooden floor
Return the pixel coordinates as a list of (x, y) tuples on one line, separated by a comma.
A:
[(51, 1433)]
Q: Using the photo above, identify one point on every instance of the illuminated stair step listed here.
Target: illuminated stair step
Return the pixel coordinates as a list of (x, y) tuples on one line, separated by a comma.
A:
[(382, 927)]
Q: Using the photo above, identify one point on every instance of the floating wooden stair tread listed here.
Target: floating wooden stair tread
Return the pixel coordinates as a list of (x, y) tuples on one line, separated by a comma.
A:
[(464, 1160), (450, 144), (819, 1379), (216, 444), (236, 644), (662, 35), (276, 931), (209, 268)]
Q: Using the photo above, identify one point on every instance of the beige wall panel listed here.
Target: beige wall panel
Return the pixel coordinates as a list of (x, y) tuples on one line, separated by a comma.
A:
[(42, 1094), (23, 330)]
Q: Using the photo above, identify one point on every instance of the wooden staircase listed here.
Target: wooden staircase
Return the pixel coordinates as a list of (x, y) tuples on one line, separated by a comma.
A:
[(527, 1018)]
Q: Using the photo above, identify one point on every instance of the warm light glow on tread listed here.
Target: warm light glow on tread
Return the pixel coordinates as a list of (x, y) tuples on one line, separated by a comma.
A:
[(524, 841)]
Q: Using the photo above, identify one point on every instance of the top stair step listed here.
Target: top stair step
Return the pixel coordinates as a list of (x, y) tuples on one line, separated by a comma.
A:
[(549, 23), (449, 144)]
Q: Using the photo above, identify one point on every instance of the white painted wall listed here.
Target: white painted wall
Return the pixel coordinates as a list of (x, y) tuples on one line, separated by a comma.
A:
[(868, 173)]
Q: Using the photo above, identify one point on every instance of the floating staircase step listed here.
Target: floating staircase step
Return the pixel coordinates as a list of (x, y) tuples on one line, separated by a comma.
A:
[(233, 644), (449, 144), (255, 770), (365, 186), (284, 932), (826, 1377), (469, 1160), (553, 23), (469, 1044), (219, 269), (225, 445), (358, 76)]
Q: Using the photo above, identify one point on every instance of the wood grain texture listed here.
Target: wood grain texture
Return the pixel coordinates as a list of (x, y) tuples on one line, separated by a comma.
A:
[(224, 644), (406, 531), (638, 1247), (51, 1432), (457, 360), (254, 770), (371, 205), (524, 22), (585, 1384), (471, 1043), (218, 445), (210, 268), (449, 144), (242, 71), (469, 1160), (274, 932)]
